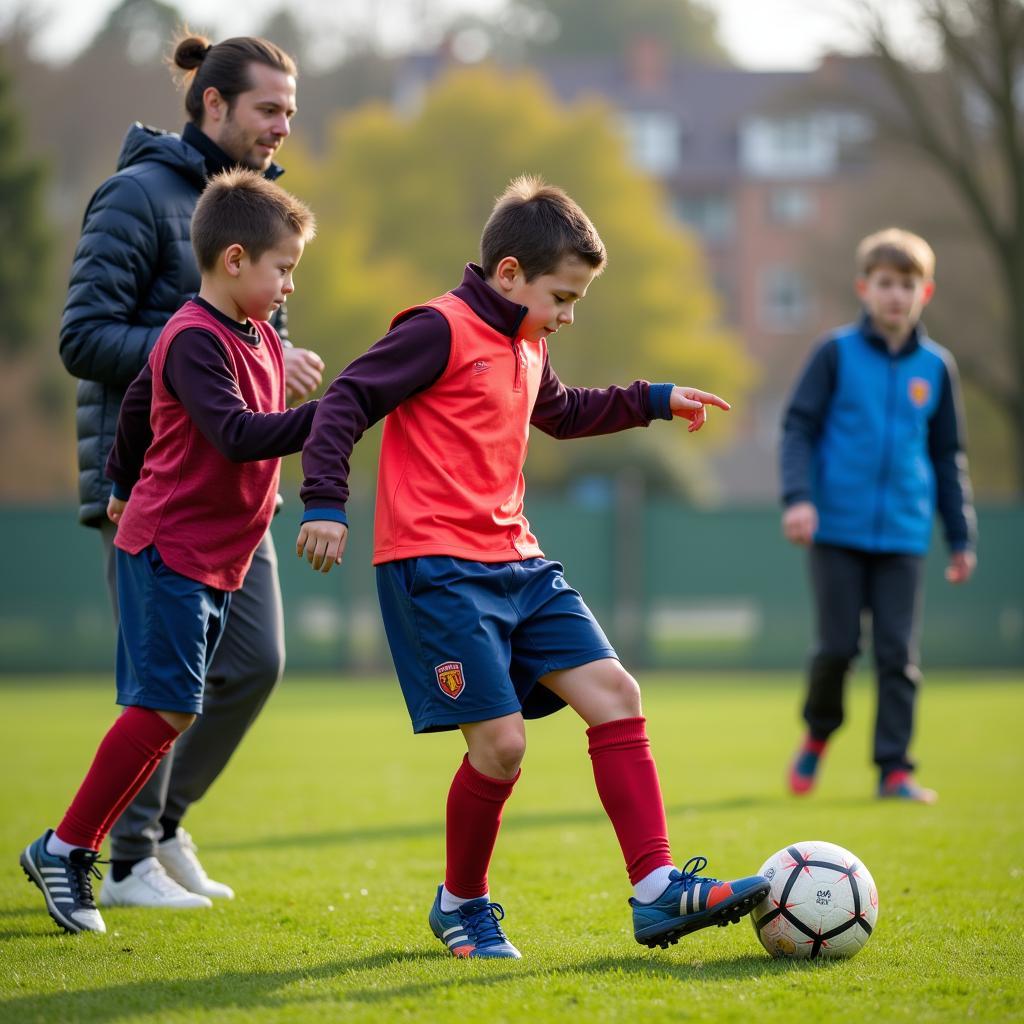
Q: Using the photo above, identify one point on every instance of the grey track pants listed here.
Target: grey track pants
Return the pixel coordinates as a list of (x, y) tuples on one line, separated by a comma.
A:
[(846, 582), (246, 667)]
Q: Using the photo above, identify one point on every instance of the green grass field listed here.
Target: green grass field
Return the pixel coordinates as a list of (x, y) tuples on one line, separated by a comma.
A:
[(328, 825)]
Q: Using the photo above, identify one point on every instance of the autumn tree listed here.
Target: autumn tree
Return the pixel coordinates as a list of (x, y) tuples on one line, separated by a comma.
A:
[(25, 253), (965, 117), (401, 203)]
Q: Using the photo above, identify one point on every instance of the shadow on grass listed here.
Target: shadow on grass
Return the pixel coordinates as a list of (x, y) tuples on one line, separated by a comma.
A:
[(248, 990), (230, 990), (635, 968), (415, 830)]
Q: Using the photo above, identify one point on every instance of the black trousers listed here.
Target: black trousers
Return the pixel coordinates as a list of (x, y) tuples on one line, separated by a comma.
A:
[(845, 583)]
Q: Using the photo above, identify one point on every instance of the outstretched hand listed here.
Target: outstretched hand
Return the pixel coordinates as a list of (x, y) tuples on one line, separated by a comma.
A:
[(691, 404), (322, 541)]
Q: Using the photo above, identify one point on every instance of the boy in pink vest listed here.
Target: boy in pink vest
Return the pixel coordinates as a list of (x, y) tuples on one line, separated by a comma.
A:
[(195, 470), (484, 631)]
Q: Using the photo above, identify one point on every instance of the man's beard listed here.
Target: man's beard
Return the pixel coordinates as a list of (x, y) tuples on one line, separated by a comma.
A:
[(243, 150)]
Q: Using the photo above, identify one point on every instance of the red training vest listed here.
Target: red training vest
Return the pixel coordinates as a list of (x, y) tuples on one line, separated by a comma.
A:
[(205, 514), (451, 459)]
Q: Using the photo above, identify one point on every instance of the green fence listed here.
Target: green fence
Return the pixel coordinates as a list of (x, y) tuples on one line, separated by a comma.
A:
[(672, 586)]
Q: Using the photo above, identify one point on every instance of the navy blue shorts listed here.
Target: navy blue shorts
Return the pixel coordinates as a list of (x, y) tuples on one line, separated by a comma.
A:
[(170, 626), (470, 640)]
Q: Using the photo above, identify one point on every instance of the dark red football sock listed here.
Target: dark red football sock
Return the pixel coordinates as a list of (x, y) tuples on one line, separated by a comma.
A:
[(475, 803), (125, 759), (627, 782)]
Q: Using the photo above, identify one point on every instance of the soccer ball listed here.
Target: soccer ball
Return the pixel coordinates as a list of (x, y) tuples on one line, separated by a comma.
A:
[(822, 902)]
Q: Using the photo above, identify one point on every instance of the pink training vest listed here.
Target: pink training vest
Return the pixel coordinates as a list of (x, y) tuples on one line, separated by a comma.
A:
[(205, 514), (451, 459)]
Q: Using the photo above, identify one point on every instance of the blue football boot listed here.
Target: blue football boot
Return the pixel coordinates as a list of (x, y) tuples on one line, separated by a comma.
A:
[(691, 902), (66, 884), (472, 930)]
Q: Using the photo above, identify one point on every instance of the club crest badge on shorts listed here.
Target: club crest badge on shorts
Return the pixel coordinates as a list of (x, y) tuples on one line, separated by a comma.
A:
[(920, 391), (450, 678)]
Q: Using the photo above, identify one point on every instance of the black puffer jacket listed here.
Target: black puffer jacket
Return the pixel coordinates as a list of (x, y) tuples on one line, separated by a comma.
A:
[(133, 268)]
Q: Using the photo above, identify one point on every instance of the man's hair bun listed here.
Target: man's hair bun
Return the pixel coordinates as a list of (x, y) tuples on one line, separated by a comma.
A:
[(190, 52)]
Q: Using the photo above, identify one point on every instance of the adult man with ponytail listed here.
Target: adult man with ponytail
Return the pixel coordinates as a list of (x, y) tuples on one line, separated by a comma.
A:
[(133, 268)]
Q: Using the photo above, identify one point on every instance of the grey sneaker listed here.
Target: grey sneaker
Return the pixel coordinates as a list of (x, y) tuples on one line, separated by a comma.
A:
[(66, 884)]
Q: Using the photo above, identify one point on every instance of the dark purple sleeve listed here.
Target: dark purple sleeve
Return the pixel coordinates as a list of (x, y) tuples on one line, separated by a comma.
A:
[(198, 374), (407, 360), (585, 412), (124, 464)]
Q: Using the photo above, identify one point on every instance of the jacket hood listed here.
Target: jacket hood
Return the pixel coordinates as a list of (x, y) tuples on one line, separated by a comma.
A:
[(143, 143)]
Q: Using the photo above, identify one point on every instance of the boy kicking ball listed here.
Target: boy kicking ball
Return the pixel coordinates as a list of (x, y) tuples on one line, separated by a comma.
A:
[(202, 488), (484, 631)]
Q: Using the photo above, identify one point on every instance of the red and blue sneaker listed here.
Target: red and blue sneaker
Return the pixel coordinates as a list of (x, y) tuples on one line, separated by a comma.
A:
[(473, 930), (804, 768), (691, 902), (901, 785)]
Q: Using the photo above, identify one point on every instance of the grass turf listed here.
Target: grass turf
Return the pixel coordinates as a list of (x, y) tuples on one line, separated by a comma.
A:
[(328, 825)]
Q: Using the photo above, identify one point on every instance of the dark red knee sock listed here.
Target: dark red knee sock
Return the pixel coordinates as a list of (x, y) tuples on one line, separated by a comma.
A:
[(125, 759), (627, 782), (475, 803)]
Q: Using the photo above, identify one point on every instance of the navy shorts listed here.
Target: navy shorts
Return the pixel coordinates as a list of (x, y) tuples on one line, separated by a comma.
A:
[(169, 629), (470, 640)]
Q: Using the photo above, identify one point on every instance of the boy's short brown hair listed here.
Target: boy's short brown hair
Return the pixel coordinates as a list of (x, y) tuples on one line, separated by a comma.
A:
[(242, 207), (897, 249), (538, 224)]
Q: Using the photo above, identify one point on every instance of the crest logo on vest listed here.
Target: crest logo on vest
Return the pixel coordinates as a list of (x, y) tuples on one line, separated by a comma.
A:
[(450, 678), (919, 391)]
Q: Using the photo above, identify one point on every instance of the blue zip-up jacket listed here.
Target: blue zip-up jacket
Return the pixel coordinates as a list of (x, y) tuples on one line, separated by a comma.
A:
[(875, 440)]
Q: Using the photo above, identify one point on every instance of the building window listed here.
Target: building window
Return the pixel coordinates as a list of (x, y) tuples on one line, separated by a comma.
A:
[(713, 217), (793, 147), (792, 205), (783, 299), (808, 146), (653, 138)]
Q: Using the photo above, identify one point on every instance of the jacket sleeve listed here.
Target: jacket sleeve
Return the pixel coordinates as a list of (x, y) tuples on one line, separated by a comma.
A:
[(279, 321), (115, 260), (947, 449), (803, 421)]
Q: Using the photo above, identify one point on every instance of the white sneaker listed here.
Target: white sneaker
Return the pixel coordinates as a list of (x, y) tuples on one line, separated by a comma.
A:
[(179, 860), (149, 886)]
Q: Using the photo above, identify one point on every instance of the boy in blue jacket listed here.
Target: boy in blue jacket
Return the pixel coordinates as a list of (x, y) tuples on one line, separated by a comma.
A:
[(872, 443)]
